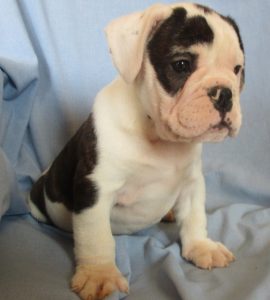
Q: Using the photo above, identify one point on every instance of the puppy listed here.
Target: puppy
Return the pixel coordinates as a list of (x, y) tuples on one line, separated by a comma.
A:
[(138, 155)]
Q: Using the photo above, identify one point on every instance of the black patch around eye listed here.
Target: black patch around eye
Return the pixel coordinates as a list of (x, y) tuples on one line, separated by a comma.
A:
[(177, 31), (181, 66), (237, 69), (178, 75)]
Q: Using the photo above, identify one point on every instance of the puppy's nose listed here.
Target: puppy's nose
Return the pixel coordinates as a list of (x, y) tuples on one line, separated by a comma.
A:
[(221, 98)]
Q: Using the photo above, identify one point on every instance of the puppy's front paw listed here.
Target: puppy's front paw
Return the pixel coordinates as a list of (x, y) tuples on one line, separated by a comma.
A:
[(207, 254), (95, 282)]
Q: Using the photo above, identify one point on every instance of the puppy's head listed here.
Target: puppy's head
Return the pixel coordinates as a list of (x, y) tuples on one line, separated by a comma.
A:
[(187, 64)]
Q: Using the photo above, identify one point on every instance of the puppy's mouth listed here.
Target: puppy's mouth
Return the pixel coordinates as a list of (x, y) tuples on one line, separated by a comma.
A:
[(221, 129), (217, 132), (225, 123)]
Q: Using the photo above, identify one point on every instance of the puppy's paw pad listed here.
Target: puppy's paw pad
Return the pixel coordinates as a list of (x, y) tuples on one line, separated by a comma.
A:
[(95, 282), (207, 254)]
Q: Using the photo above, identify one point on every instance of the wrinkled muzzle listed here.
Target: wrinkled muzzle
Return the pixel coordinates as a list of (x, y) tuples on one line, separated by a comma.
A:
[(206, 111)]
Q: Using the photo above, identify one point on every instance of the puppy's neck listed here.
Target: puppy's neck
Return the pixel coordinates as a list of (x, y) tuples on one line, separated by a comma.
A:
[(126, 108), (143, 124), (127, 113)]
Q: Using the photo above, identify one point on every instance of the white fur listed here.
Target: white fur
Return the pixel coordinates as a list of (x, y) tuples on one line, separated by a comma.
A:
[(140, 180), (135, 30), (145, 178), (144, 170)]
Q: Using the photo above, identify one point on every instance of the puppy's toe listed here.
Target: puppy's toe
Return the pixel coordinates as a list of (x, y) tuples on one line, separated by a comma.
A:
[(207, 254), (95, 282)]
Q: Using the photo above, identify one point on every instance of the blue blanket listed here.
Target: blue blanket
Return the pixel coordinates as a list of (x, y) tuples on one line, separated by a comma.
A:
[(53, 60)]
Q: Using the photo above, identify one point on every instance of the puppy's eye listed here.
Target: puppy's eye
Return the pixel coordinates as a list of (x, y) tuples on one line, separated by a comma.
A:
[(181, 66), (237, 69)]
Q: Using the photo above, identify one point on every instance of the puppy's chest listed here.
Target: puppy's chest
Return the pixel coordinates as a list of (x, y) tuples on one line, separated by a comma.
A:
[(157, 179), (146, 196), (147, 186)]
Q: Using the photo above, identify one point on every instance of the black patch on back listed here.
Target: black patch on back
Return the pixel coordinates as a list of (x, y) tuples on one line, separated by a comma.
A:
[(66, 181), (236, 28), (177, 30), (205, 9)]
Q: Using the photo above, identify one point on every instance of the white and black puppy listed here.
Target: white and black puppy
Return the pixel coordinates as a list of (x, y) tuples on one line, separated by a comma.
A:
[(138, 155)]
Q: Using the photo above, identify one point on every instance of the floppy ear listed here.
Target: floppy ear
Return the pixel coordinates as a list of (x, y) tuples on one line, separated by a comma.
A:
[(127, 37)]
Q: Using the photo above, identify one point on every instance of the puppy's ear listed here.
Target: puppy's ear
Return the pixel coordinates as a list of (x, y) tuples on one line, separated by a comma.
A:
[(127, 38)]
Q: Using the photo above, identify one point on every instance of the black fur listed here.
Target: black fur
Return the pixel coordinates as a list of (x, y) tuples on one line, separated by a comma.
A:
[(66, 181), (177, 30), (242, 82)]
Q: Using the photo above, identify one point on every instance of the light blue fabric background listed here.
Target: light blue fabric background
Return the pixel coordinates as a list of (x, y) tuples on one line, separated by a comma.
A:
[(53, 60)]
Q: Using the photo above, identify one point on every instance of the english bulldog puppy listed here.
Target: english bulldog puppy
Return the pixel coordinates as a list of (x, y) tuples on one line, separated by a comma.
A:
[(138, 155)]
